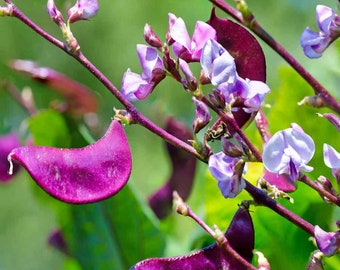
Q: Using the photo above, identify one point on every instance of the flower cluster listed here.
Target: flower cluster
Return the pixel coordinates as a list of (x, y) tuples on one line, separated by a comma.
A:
[(314, 43)]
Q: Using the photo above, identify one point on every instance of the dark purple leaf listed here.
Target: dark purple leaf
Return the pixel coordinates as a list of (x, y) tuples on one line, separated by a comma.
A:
[(240, 235), (81, 175), (183, 171), (248, 54), (7, 144)]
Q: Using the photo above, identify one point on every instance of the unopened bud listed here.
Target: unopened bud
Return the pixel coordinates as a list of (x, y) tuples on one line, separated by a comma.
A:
[(151, 37), (313, 101), (331, 118), (231, 149), (179, 205), (315, 261), (190, 81), (217, 98), (202, 116), (54, 13)]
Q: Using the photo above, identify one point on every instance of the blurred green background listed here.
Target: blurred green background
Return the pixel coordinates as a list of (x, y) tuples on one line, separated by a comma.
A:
[(109, 40)]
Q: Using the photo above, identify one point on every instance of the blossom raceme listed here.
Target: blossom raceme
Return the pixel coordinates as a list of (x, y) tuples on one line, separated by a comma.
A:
[(183, 47), (288, 152), (138, 87), (327, 242), (315, 43), (83, 10), (228, 173)]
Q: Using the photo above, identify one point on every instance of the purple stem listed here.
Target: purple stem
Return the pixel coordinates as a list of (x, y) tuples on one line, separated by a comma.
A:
[(261, 197), (257, 194), (321, 191), (137, 116), (253, 25)]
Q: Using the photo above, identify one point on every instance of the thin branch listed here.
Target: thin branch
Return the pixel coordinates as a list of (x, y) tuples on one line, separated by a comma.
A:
[(253, 25)]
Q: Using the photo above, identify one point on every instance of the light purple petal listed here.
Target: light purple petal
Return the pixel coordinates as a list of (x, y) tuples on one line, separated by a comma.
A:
[(331, 157), (327, 242), (179, 33), (149, 60), (83, 10), (273, 153), (131, 85), (217, 63), (324, 18), (227, 171), (202, 33), (313, 44)]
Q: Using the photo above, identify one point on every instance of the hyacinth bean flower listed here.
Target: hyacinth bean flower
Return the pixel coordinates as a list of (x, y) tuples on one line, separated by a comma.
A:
[(288, 152), (327, 242), (138, 87), (202, 115), (314, 43), (228, 173), (183, 47), (82, 175), (83, 10), (7, 143), (217, 63), (219, 66), (332, 159)]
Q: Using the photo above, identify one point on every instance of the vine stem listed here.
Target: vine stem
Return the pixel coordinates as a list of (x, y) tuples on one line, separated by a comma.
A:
[(136, 115), (256, 193), (184, 209), (253, 25)]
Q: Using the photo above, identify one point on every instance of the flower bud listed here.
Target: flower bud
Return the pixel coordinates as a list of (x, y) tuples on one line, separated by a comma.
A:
[(202, 117), (315, 261), (54, 13), (262, 261), (231, 149), (151, 37), (7, 144), (190, 81), (82, 10), (313, 101), (331, 118)]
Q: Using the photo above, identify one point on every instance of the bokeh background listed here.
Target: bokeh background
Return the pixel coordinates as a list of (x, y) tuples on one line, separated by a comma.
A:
[(27, 215)]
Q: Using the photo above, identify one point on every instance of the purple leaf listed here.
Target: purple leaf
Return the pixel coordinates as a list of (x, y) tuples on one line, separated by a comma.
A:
[(240, 235), (82, 175)]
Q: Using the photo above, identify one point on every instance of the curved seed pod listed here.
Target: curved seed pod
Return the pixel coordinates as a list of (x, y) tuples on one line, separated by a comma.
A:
[(81, 175), (240, 235), (7, 144), (247, 52)]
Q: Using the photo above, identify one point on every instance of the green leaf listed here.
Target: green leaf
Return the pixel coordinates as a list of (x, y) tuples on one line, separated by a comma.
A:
[(49, 128), (113, 234)]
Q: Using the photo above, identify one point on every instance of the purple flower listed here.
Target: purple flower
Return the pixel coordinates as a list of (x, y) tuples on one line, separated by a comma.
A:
[(327, 242), (202, 117), (138, 87), (185, 48), (288, 152), (245, 93), (82, 10), (228, 173), (313, 43), (218, 65)]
